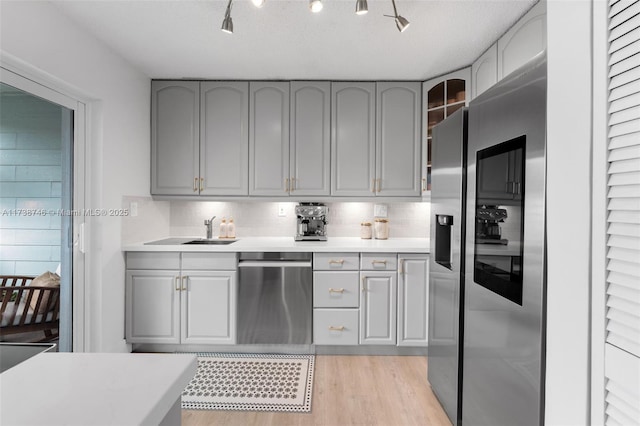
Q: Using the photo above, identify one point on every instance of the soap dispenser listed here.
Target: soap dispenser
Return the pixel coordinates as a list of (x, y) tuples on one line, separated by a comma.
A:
[(231, 229), (223, 228)]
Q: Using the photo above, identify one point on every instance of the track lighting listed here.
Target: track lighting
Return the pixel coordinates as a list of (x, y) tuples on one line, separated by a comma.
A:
[(258, 3), (227, 23), (361, 7), (315, 5), (401, 21)]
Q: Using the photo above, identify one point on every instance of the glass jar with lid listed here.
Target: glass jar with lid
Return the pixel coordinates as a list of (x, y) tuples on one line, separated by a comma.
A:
[(366, 231), (382, 229)]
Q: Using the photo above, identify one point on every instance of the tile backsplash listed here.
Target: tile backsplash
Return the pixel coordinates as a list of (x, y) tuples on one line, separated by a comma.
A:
[(260, 219)]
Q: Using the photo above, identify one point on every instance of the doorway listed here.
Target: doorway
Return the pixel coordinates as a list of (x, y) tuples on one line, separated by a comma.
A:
[(40, 198)]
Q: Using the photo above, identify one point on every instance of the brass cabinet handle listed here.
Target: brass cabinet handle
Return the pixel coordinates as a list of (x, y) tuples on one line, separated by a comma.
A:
[(401, 266), (336, 290), (379, 184), (373, 186), (384, 262), (424, 184), (195, 184), (364, 285), (178, 283), (339, 261), (182, 287), (293, 184), (286, 185), (334, 328), (201, 184)]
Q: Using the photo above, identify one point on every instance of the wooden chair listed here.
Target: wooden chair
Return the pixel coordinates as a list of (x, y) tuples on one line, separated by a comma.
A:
[(25, 308)]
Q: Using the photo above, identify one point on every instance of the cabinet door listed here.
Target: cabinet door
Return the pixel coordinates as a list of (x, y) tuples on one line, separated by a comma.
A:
[(398, 139), (413, 300), (378, 298), (269, 138), (484, 71), (152, 306), (208, 307), (310, 138), (224, 138), (175, 140), (526, 39), (353, 155)]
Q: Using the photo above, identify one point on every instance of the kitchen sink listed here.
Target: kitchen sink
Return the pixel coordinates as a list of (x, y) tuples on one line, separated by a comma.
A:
[(211, 242)]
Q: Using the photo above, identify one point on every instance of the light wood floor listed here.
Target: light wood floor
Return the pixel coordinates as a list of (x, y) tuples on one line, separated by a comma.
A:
[(351, 390)]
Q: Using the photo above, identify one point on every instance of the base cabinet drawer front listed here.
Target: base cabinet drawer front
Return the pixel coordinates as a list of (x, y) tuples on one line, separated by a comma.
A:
[(210, 261), (336, 289), (336, 261), (335, 326), (379, 262), (153, 260)]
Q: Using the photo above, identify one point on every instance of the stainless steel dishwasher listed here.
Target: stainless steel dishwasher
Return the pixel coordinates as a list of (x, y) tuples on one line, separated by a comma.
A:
[(274, 298)]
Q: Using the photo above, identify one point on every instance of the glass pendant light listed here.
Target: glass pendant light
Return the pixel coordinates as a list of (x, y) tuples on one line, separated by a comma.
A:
[(361, 7), (315, 5), (227, 23)]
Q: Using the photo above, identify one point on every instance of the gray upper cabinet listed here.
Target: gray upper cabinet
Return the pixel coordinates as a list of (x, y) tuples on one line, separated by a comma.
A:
[(224, 138), (269, 138), (398, 139), (310, 138), (353, 113), (175, 137)]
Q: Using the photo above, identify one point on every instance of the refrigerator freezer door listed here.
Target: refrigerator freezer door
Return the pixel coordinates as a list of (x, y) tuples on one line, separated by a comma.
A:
[(503, 363), (447, 203)]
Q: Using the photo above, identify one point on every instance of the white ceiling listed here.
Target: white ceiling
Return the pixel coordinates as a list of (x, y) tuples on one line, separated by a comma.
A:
[(284, 40)]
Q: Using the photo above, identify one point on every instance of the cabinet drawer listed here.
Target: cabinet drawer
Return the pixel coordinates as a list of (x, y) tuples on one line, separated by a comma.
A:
[(209, 261), (336, 261), (335, 326), (379, 262), (153, 260), (336, 289)]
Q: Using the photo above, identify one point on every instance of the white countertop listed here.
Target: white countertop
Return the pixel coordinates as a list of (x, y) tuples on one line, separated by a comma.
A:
[(287, 244), (94, 388)]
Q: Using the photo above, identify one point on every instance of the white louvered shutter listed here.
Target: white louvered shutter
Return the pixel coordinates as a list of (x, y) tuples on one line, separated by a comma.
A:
[(622, 347)]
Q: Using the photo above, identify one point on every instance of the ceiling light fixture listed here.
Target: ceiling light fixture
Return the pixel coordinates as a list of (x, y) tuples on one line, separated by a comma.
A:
[(401, 22), (361, 7), (315, 5), (258, 3), (227, 23)]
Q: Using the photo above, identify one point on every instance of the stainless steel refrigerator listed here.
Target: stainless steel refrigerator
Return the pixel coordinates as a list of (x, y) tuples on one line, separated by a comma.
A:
[(487, 272)]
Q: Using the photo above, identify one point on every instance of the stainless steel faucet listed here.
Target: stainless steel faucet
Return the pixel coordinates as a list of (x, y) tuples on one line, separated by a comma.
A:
[(209, 225)]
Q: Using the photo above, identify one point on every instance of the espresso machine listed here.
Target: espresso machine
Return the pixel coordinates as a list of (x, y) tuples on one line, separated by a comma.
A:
[(312, 222), (488, 219)]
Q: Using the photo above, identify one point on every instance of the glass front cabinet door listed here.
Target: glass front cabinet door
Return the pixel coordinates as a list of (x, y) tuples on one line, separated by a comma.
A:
[(441, 97)]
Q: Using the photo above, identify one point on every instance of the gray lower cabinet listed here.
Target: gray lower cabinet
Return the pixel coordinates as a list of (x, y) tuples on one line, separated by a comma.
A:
[(378, 308), (175, 152), (413, 299), (269, 138), (181, 298), (398, 119), (199, 138)]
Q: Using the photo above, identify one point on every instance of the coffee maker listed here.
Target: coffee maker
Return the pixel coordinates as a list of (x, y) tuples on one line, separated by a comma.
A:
[(312, 222), (488, 219)]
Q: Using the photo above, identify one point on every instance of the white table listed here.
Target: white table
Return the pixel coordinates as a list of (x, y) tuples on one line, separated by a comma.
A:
[(95, 389)]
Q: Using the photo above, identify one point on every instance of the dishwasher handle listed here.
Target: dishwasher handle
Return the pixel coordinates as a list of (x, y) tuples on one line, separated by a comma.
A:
[(273, 264)]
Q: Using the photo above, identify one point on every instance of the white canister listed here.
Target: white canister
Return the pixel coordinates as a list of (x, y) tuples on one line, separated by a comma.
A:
[(382, 229), (231, 229), (366, 231), (223, 228)]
